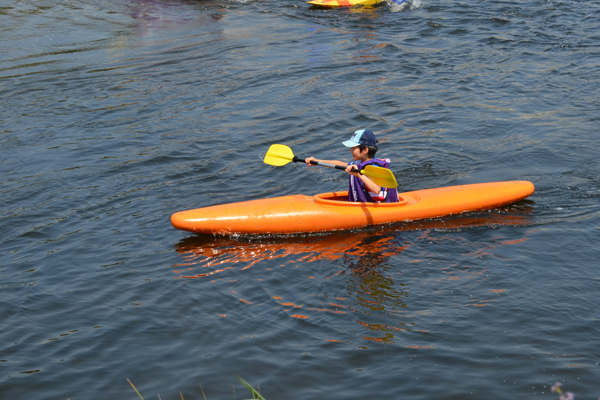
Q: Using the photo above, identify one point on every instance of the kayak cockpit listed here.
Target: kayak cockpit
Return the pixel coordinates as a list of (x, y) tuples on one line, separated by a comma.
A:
[(341, 199)]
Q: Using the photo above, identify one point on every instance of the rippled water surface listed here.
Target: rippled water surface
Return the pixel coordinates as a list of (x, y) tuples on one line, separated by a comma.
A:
[(115, 114)]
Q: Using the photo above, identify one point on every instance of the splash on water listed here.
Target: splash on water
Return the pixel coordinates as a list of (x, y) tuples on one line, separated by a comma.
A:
[(399, 5)]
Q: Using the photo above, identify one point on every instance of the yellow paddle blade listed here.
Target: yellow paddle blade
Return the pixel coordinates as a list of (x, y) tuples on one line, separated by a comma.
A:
[(381, 176), (278, 155)]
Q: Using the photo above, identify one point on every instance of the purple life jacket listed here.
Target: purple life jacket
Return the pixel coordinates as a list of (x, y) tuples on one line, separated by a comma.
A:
[(357, 190)]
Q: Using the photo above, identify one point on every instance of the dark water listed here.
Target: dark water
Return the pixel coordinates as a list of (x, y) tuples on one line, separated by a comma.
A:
[(115, 114)]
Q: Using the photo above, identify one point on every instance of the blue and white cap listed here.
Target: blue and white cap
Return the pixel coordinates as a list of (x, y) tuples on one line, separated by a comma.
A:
[(362, 136)]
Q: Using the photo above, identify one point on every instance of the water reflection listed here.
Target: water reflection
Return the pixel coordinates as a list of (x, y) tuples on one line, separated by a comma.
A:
[(361, 250), (363, 284), (209, 251), (174, 11), (152, 18)]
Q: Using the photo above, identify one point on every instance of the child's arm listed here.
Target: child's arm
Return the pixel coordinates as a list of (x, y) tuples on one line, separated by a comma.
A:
[(334, 162), (369, 184)]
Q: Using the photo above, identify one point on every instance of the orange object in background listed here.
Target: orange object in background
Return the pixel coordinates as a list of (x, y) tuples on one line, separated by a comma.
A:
[(332, 211), (344, 3)]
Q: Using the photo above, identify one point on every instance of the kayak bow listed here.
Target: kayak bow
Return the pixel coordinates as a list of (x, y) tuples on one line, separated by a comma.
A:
[(333, 211)]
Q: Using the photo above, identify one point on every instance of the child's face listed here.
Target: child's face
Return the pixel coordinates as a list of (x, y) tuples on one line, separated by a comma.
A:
[(359, 155)]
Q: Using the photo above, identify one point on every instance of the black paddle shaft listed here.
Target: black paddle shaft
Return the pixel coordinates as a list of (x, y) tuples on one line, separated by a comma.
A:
[(313, 162)]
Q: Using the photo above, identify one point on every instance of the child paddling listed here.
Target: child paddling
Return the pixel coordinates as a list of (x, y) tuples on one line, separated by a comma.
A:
[(363, 146)]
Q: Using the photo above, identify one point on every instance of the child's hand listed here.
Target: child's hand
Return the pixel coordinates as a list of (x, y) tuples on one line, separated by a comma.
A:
[(352, 170), (309, 159)]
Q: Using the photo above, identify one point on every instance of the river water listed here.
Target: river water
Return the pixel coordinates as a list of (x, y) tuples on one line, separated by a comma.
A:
[(115, 114)]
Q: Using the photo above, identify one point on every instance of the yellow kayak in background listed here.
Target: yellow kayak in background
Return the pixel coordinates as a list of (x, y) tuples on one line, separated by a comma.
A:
[(344, 3), (351, 3)]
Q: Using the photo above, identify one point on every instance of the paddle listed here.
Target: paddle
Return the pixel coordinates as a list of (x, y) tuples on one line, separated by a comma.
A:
[(279, 154)]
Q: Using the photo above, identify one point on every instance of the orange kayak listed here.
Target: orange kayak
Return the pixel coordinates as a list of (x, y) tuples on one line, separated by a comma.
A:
[(332, 211)]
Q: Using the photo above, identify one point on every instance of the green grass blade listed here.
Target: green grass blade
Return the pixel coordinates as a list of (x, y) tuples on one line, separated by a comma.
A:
[(135, 389), (250, 388), (203, 395)]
